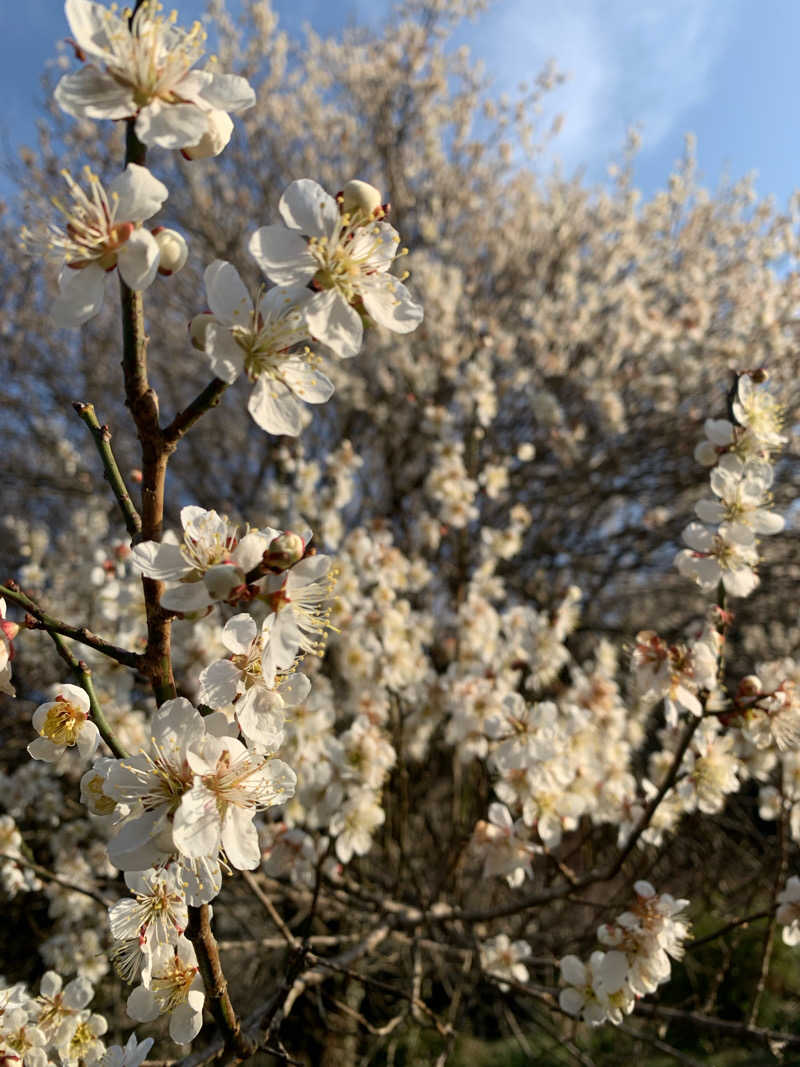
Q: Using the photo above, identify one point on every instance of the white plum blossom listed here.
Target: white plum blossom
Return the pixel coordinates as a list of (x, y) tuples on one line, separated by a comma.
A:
[(741, 489), (504, 846), (710, 770), (8, 631), (261, 339), (788, 914), (143, 68), (770, 713), (85, 1046), (60, 1006), (155, 915), (711, 559), (759, 413), (21, 1040), (299, 617), (62, 723), (211, 563), (345, 251), (102, 230), (648, 935), (354, 822), (176, 988), (229, 785), (502, 957), (598, 990), (147, 787), (133, 1054), (173, 250)]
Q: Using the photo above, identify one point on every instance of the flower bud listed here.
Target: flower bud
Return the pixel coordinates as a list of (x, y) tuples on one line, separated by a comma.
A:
[(173, 250), (284, 551), (197, 329), (749, 686), (216, 137), (360, 197)]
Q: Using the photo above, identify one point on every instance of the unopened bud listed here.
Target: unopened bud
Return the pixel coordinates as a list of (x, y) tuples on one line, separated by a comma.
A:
[(198, 327), (284, 551), (173, 250), (749, 686), (360, 197), (759, 376), (10, 629), (216, 137)]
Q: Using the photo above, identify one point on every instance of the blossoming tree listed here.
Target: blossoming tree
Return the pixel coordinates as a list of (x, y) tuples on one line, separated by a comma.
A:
[(334, 757)]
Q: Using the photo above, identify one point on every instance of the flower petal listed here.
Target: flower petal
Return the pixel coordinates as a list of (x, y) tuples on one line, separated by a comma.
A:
[(186, 598), (219, 92), (224, 355), (219, 683), (80, 296), (283, 255), (228, 297), (140, 195), (389, 303), (275, 408), (333, 322), (90, 93), (305, 206), (171, 125), (158, 560), (138, 260), (239, 633)]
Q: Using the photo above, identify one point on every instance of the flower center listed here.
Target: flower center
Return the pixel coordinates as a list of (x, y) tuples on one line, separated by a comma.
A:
[(172, 987), (63, 722)]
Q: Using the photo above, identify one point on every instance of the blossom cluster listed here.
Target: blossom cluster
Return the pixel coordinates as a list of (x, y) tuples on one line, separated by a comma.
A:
[(723, 546), (635, 960), (304, 777), (57, 1024)]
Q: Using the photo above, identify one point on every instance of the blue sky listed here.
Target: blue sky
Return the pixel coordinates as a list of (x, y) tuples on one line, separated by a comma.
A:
[(723, 69)]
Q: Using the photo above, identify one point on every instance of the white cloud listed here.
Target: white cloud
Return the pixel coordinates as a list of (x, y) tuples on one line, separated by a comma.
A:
[(629, 61)]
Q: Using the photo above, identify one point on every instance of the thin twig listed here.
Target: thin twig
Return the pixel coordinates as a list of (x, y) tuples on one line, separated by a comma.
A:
[(102, 439), (769, 937), (41, 620), (732, 925), (272, 911), (727, 1026), (203, 402), (51, 876)]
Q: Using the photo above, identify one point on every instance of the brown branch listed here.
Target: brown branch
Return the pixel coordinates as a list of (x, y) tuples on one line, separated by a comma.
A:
[(200, 934), (203, 402), (142, 402), (42, 621), (726, 1026)]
